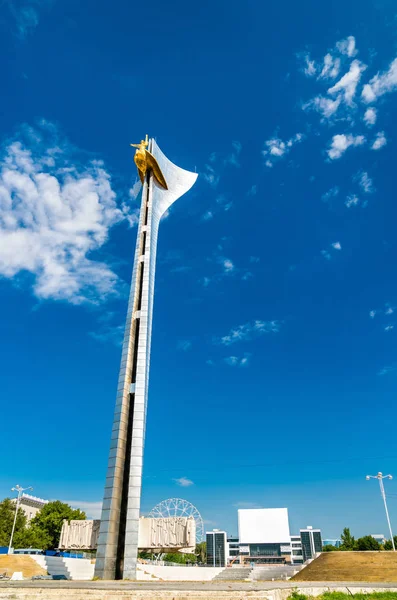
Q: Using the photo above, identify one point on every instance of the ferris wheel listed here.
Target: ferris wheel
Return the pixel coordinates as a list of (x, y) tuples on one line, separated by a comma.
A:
[(177, 507)]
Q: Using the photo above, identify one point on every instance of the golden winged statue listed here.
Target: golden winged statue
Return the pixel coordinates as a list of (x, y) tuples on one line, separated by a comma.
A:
[(146, 162)]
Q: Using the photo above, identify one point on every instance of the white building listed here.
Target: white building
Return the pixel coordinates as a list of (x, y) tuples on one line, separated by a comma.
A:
[(296, 550), (311, 542), (233, 550), (264, 536), (379, 537), (31, 505)]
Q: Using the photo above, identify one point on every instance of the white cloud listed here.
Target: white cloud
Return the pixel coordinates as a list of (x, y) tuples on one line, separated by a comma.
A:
[(389, 310), (337, 246), (364, 181), (207, 216), (386, 370), (325, 106), (332, 193), (55, 211), (330, 68), (389, 327), (233, 158), (210, 176), (352, 200), (253, 190), (381, 84), (250, 331), (275, 148), (347, 46), (183, 482), (25, 15), (310, 66), (370, 116), (372, 313), (235, 361), (92, 509), (380, 141), (184, 345), (341, 142), (228, 265), (348, 83), (326, 254)]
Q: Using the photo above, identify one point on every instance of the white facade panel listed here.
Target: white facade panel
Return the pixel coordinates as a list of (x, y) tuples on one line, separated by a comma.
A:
[(263, 526)]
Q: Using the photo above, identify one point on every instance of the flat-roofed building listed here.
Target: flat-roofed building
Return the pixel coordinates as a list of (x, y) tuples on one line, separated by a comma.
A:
[(264, 536), (311, 542)]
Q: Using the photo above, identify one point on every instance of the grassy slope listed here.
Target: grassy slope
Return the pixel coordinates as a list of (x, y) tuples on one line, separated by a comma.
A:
[(351, 566), (26, 564)]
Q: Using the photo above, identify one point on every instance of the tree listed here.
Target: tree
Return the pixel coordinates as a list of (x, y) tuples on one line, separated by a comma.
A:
[(47, 524), (7, 515), (329, 548), (201, 552), (348, 540), (367, 543), (388, 544)]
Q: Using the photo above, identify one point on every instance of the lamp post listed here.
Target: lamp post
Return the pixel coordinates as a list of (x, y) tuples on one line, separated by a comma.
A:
[(20, 491), (380, 477)]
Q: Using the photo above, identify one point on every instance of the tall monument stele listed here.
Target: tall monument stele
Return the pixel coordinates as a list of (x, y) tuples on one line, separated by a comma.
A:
[(163, 183)]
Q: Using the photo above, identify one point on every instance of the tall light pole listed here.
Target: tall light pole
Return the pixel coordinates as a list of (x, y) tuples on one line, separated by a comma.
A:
[(380, 477), (20, 491)]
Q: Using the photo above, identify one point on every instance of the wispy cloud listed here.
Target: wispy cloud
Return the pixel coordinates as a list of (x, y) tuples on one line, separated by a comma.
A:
[(347, 85), (234, 157), (327, 253), (276, 148), (208, 215), (380, 141), (341, 142), (387, 370), (249, 331), (364, 181), (347, 46), (56, 209), (238, 361), (183, 482), (352, 200), (246, 505), (210, 176), (382, 83), (25, 15), (332, 193), (184, 345), (92, 509)]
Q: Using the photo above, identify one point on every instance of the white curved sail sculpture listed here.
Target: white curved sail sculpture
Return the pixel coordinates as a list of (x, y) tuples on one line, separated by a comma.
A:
[(118, 538)]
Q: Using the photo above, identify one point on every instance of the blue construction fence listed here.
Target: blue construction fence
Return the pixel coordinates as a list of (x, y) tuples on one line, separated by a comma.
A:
[(3, 549)]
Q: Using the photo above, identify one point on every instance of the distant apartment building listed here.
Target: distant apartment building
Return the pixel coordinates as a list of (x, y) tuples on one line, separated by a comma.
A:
[(379, 537), (216, 548), (337, 542), (31, 505), (311, 542)]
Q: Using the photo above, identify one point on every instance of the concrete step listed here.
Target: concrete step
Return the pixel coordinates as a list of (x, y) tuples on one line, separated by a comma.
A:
[(233, 574)]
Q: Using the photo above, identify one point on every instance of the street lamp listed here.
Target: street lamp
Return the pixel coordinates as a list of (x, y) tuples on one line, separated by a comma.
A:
[(20, 491), (380, 477)]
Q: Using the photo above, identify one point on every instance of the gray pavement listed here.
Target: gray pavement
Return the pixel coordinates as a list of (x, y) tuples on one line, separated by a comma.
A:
[(215, 586)]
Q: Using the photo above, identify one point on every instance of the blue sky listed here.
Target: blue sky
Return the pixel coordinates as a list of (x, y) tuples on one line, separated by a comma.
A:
[(274, 365)]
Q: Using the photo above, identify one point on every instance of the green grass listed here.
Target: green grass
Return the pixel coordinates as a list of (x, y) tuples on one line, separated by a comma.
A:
[(346, 596)]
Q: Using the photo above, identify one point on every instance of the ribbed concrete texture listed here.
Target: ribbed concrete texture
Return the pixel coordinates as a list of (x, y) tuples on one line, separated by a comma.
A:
[(118, 537)]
